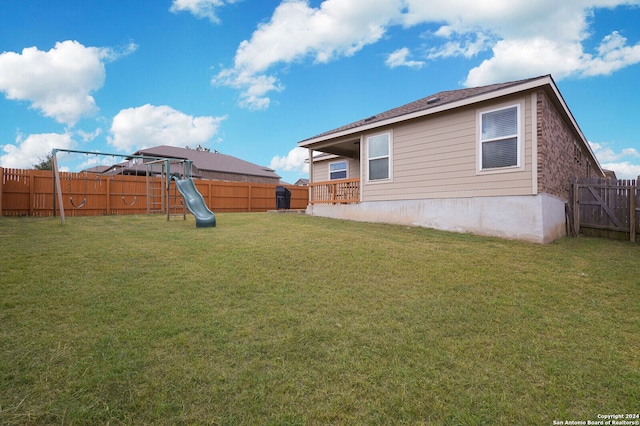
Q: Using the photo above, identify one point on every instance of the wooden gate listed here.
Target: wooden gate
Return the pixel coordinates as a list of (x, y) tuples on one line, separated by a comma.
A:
[(604, 208)]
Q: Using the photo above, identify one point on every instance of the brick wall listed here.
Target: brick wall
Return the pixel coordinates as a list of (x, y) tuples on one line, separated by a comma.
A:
[(236, 177), (561, 154)]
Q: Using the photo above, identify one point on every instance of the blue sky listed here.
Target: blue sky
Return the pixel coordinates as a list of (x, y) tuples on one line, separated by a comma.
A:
[(251, 78)]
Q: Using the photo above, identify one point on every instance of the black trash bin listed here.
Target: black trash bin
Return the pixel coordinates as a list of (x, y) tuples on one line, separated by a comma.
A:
[(283, 198)]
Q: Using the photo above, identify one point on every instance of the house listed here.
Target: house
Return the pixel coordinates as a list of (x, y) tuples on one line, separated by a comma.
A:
[(214, 166), (493, 160), (96, 169)]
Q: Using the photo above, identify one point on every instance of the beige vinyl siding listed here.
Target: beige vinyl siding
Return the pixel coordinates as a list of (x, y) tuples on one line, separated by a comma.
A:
[(436, 157), (321, 168), (320, 171)]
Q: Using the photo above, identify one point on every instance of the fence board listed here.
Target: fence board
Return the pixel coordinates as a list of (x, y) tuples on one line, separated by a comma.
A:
[(30, 193)]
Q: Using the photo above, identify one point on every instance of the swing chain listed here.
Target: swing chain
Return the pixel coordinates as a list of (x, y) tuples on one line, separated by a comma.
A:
[(84, 200), (135, 197)]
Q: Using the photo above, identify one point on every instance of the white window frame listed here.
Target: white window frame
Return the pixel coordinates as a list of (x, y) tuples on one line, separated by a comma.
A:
[(346, 169), (388, 156), (518, 135)]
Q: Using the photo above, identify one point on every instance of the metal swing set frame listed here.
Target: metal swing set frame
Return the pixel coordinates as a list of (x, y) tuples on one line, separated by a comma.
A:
[(165, 181)]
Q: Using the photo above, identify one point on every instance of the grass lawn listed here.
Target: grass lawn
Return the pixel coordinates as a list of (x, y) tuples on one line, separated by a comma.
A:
[(288, 319)]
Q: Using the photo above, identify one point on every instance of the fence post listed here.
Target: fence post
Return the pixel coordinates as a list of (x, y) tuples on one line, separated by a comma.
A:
[(575, 208), (32, 185), (1, 187), (212, 188), (632, 210), (108, 195)]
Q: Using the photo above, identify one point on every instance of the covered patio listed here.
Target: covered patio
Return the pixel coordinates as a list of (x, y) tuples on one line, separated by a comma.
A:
[(334, 191)]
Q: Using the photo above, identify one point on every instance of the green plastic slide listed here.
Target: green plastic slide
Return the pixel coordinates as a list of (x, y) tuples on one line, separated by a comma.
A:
[(195, 203)]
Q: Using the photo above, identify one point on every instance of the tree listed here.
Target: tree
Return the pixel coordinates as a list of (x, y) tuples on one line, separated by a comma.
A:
[(46, 164)]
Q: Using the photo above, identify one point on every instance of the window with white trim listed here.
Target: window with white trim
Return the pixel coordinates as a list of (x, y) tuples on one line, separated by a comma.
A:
[(338, 170), (379, 157), (500, 138)]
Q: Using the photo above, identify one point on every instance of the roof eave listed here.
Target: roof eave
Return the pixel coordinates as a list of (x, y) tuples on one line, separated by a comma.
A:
[(527, 85)]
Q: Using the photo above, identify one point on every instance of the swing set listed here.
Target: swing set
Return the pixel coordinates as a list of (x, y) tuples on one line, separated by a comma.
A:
[(158, 196)]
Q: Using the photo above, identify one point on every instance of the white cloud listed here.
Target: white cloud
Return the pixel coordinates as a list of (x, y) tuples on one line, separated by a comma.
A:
[(525, 39), (31, 150), (295, 32), (149, 125), (624, 169), (400, 58), (605, 153), (60, 82), (200, 8), (515, 59), (613, 54), (254, 88), (294, 161), (465, 45), (522, 39), (620, 162), (89, 136), (508, 18)]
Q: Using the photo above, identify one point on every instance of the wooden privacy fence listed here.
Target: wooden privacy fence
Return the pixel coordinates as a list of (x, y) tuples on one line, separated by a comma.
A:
[(604, 208), (30, 193)]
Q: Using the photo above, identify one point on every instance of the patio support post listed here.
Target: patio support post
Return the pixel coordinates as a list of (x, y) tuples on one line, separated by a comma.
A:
[(1, 185), (310, 176), (632, 209)]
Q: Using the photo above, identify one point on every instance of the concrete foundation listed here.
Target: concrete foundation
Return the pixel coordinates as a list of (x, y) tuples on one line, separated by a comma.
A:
[(537, 218)]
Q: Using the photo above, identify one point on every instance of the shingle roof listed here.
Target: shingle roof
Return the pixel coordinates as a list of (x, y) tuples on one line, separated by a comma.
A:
[(436, 100), (210, 161), (97, 169)]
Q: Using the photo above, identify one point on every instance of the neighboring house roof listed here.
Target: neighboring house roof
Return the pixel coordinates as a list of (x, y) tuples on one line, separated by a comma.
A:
[(125, 168), (441, 102), (97, 169), (210, 161)]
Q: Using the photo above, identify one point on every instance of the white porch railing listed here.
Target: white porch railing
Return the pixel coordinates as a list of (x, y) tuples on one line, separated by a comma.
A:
[(340, 191)]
